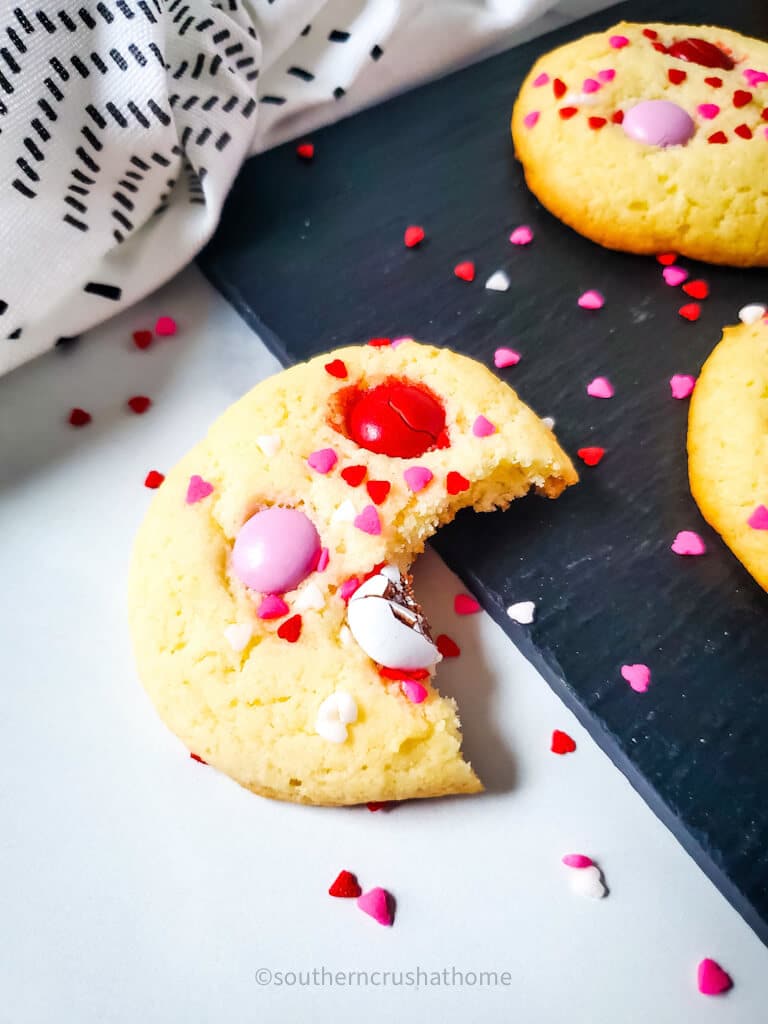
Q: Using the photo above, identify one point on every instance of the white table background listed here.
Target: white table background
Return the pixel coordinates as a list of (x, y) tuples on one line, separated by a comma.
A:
[(139, 886)]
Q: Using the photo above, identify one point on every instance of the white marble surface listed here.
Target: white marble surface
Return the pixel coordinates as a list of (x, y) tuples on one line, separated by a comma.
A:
[(138, 886)]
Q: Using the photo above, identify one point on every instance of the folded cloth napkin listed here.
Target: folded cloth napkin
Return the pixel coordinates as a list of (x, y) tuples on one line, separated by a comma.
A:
[(124, 122)]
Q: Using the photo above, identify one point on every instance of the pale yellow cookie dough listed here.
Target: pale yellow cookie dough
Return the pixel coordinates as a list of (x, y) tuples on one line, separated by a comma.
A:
[(728, 442), (703, 200), (252, 713)]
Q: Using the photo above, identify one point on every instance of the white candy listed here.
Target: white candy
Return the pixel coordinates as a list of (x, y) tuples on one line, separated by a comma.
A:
[(587, 882), (310, 598), (376, 623), (752, 313), (498, 282), (269, 444), (238, 634), (522, 612), (548, 421), (334, 715), (345, 513)]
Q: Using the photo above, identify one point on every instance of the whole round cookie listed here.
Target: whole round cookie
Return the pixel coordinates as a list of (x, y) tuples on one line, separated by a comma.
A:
[(652, 138), (273, 618), (728, 444)]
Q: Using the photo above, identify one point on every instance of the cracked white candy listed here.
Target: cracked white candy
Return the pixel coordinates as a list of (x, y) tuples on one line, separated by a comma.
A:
[(334, 715)]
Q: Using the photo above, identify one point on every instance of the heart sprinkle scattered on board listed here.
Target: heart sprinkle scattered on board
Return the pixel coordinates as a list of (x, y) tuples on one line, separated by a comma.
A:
[(139, 404), (562, 743), (681, 385), (600, 387), (305, 151), (591, 300), (751, 314), (638, 677), (413, 236), (377, 903), (587, 881), (522, 235), (166, 327), (505, 357), (463, 604), (465, 271), (711, 979), (447, 647), (697, 289), (498, 282), (522, 612), (691, 311), (345, 886), (577, 860), (591, 456), (79, 417), (142, 339), (153, 479), (674, 276), (688, 543), (666, 259)]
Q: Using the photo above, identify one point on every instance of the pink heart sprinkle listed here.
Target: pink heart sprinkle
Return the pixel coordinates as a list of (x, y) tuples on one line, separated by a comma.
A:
[(682, 384), (708, 110), (483, 427), (577, 860), (348, 587), (416, 478), (165, 327), (591, 300), (323, 560), (463, 604), (368, 521), (323, 461), (759, 518), (505, 357), (618, 42), (530, 119), (272, 607), (674, 275), (600, 387), (765, 133), (754, 77), (198, 489), (396, 342), (638, 677), (522, 235), (606, 76), (540, 80), (415, 692), (375, 902), (712, 979), (590, 85), (688, 543)]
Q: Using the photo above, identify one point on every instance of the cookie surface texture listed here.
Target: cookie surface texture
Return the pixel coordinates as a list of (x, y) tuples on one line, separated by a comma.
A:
[(728, 444), (273, 688), (652, 138)]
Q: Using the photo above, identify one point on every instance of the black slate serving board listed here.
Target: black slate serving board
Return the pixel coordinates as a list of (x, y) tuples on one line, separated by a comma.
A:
[(312, 257)]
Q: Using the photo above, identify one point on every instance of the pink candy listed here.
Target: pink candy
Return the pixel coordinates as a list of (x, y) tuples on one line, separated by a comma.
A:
[(483, 427), (416, 478), (600, 387), (708, 110), (323, 460), (674, 276), (688, 543), (197, 489), (368, 521), (530, 119), (638, 677), (375, 903), (505, 357), (275, 550), (522, 235), (540, 80), (415, 692), (591, 300), (759, 518), (577, 860), (682, 384), (618, 42), (272, 607)]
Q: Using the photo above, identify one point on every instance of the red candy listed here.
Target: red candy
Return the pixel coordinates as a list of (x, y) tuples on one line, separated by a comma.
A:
[(595, 123), (718, 139), (591, 456), (697, 289), (305, 151), (399, 420), (691, 311), (650, 33), (714, 81), (699, 51), (666, 259), (617, 117), (562, 743)]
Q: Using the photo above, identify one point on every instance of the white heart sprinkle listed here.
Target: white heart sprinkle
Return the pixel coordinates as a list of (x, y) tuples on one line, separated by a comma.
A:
[(587, 99), (310, 598), (345, 513), (269, 444), (522, 612), (345, 635), (498, 282), (238, 634), (334, 715), (548, 421), (587, 882), (752, 313)]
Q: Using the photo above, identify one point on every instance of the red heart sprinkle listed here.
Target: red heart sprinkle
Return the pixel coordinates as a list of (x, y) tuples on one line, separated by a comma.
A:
[(336, 368), (399, 674), (463, 604), (562, 743), (377, 805), (744, 131), (764, 114), (666, 259), (79, 417), (447, 647), (413, 235), (142, 339), (455, 483), (465, 271), (139, 404), (660, 47), (380, 342), (595, 123), (714, 81), (345, 886), (591, 456), (378, 490), (558, 87), (691, 311), (650, 33), (676, 76), (153, 479), (290, 629), (697, 289), (741, 98), (354, 475), (196, 757), (305, 150), (567, 112), (617, 117), (718, 138)]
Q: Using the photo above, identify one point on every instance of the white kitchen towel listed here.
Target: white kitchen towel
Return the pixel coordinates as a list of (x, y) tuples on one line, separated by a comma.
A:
[(124, 122)]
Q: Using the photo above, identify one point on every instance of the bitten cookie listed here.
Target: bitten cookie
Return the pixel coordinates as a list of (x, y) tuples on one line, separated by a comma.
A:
[(653, 138), (273, 619), (728, 444)]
